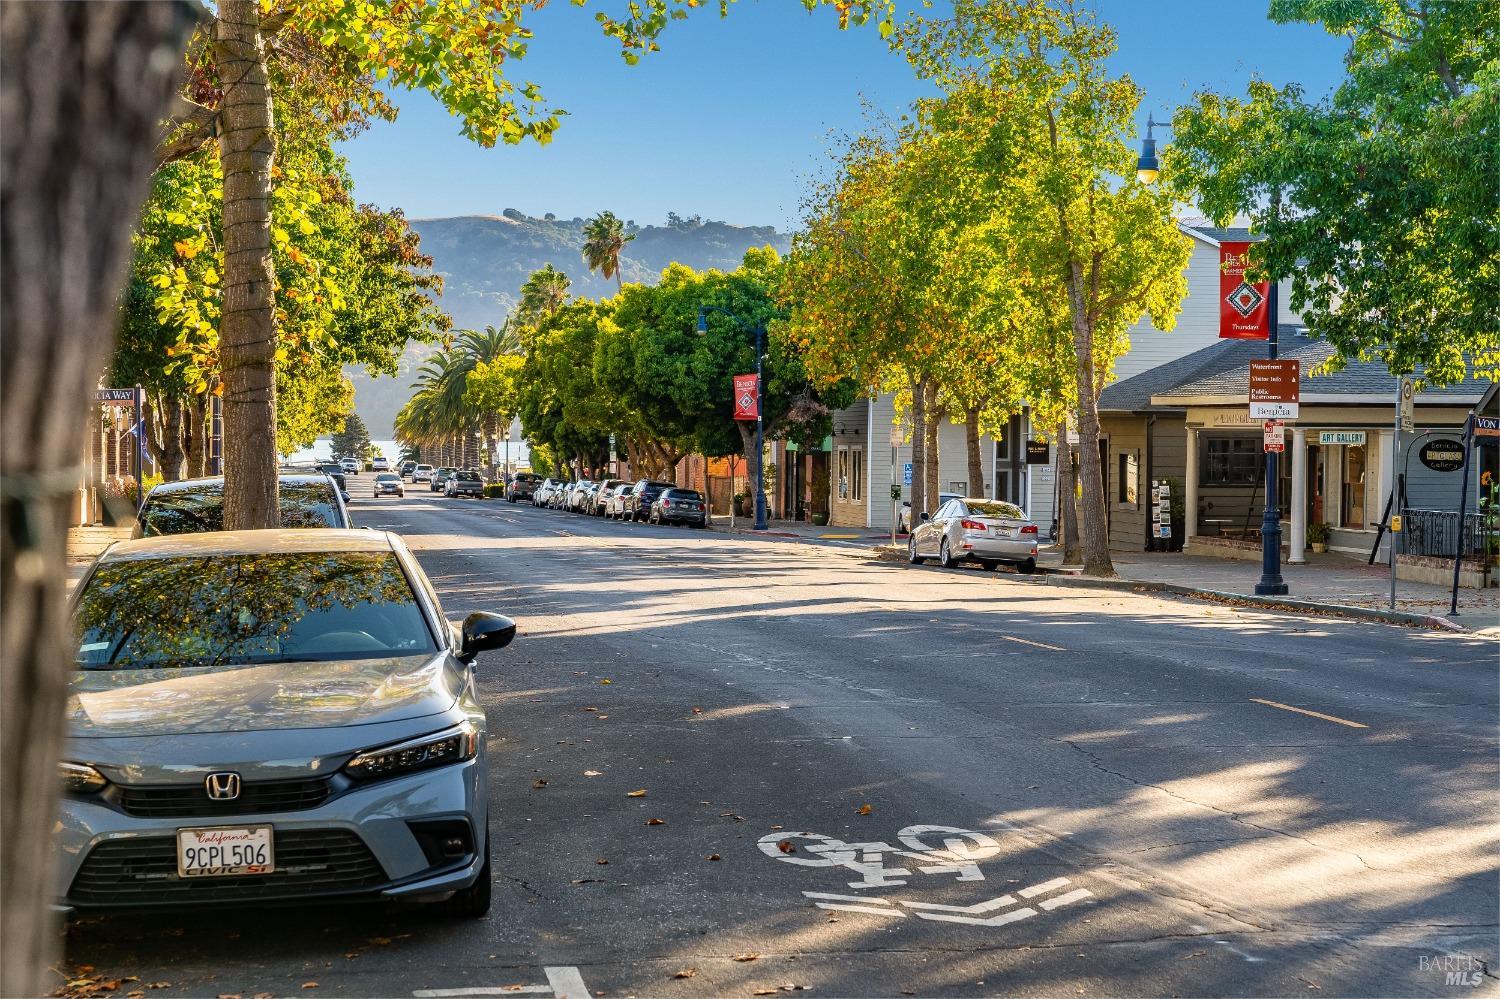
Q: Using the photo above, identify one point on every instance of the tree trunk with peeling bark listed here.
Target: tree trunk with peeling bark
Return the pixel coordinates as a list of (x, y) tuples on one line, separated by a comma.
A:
[(195, 435), (1067, 505), (918, 449), (247, 328), (972, 434), (936, 414), (1096, 560), (83, 87)]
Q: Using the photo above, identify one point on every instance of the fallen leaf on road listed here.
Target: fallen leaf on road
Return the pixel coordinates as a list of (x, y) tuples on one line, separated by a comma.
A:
[(605, 682), (790, 987), (636, 794), (379, 941), (697, 710), (263, 995), (136, 994), (714, 856), (601, 861), (538, 783), (787, 846), (731, 815), (864, 809), (656, 822), (593, 773), (686, 973), (775, 827), (601, 717), (230, 995), (591, 709), (765, 992), (309, 985), (747, 957)]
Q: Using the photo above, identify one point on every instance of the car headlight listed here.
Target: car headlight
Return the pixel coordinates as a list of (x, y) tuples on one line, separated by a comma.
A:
[(80, 778), (438, 750)]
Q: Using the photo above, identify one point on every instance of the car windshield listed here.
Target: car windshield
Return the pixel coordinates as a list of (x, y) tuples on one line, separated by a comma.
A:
[(686, 494), (625, 490), (994, 509), (467, 476), (387, 478), (192, 511), (191, 612)]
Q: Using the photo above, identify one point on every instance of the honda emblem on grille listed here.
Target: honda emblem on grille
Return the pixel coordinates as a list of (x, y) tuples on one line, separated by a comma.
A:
[(223, 786)]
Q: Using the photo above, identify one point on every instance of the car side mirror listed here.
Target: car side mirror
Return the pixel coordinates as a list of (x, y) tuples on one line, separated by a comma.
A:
[(483, 632), (926, 516), (345, 495)]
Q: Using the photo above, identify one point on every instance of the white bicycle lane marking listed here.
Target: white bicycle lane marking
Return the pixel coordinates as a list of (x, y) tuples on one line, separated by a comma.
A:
[(564, 982), (959, 855)]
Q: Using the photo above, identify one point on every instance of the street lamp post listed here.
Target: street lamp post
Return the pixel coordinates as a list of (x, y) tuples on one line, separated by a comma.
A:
[(760, 405), (1270, 584)]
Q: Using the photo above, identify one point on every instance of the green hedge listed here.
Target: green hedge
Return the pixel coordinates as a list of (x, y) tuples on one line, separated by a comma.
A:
[(494, 490)]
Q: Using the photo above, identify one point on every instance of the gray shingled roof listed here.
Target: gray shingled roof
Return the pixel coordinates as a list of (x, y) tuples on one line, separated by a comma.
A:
[(1358, 378), (1133, 394), (1231, 235)]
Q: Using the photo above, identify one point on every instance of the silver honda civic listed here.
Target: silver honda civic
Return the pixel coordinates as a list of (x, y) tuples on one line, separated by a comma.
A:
[(273, 717)]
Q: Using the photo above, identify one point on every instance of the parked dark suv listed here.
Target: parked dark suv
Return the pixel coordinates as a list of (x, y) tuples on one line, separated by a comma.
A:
[(638, 503), (522, 486), (679, 506)]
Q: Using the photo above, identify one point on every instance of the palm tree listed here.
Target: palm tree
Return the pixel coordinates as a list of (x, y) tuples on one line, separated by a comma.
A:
[(542, 294), (439, 413), (604, 240)]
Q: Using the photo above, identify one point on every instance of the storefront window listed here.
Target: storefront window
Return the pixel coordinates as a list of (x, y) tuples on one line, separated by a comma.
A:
[(1229, 461), (856, 474), (1353, 506), (843, 474)]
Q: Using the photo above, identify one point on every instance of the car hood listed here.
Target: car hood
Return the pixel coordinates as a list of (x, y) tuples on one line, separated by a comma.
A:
[(260, 697)]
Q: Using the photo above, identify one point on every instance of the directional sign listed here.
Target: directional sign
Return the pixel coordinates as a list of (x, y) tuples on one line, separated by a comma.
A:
[(1275, 436), (1275, 389)]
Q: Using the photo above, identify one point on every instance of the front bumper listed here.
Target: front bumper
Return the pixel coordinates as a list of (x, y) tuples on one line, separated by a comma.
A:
[(371, 841)]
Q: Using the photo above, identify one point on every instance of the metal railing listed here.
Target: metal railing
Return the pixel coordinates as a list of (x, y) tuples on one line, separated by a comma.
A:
[(1436, 533)]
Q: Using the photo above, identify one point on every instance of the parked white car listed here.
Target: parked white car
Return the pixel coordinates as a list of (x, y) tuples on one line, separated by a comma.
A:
[(614, 506), (422, 473), (380, 464)]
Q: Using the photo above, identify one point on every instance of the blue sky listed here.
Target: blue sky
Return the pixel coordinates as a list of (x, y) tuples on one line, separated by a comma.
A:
[(732, 116)]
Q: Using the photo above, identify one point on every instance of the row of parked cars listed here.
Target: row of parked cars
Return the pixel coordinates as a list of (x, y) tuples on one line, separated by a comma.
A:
[(616, 499), (271, 717)]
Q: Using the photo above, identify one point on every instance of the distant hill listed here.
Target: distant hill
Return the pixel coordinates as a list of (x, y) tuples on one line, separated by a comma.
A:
[(485, 258)]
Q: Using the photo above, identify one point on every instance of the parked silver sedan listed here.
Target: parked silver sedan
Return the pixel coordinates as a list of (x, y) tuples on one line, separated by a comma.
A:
[(990, 532), (273, 717)]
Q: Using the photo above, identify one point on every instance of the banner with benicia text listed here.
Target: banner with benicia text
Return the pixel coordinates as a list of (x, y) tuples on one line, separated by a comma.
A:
[(1243, 306), (746, 399)]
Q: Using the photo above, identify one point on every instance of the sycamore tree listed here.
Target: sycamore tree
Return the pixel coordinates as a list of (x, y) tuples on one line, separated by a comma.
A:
[(1380, 202), (1070, 216), (463, 52)]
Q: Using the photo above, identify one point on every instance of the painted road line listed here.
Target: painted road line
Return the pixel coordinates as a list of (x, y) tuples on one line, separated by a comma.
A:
[(842, 907), (1013, 916), (1052, 903), (1043, 888), (1310, 714), (973, 910), (1027, 641), (484, 990), (865, 899), (566, 983)]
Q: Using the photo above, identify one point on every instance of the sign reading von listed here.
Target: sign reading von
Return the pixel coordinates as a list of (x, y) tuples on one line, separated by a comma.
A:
[(1038, 453), (1487, 426), (1243, 309), (1442, 455), (1275, 389), (746, 399)]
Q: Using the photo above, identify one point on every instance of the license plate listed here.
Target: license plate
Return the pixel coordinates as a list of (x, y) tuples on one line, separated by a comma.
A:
[(219, 851)]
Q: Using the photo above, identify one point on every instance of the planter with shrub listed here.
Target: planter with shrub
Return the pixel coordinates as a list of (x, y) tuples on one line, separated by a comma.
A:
[(1318, 535)]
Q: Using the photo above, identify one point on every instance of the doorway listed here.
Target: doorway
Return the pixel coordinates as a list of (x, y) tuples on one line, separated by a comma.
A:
[(1315, 478)]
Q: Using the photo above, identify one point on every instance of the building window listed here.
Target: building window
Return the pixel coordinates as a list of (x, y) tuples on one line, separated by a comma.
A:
[(1130, 475), (1353, 506), (856, 474), (1229, 461), (841, 469)]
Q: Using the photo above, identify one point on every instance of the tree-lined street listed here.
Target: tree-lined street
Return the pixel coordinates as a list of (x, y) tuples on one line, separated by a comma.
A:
[(1168, 796)]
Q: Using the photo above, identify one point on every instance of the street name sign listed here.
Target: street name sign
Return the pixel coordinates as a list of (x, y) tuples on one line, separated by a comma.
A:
[(1275, 436), (115, 395), (1275, 389)]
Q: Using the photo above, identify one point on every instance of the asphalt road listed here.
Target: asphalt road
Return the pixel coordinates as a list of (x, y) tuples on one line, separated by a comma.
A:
[(1132, 795)]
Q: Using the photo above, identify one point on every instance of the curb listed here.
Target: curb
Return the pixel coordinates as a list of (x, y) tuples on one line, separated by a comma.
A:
[(1065, 579)]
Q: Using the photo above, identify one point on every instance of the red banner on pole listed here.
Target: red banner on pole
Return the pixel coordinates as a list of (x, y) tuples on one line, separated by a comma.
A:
[(1242, 304), (746, 398)]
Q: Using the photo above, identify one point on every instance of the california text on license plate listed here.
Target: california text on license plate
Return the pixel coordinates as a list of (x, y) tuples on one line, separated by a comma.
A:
[(223, 850)]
